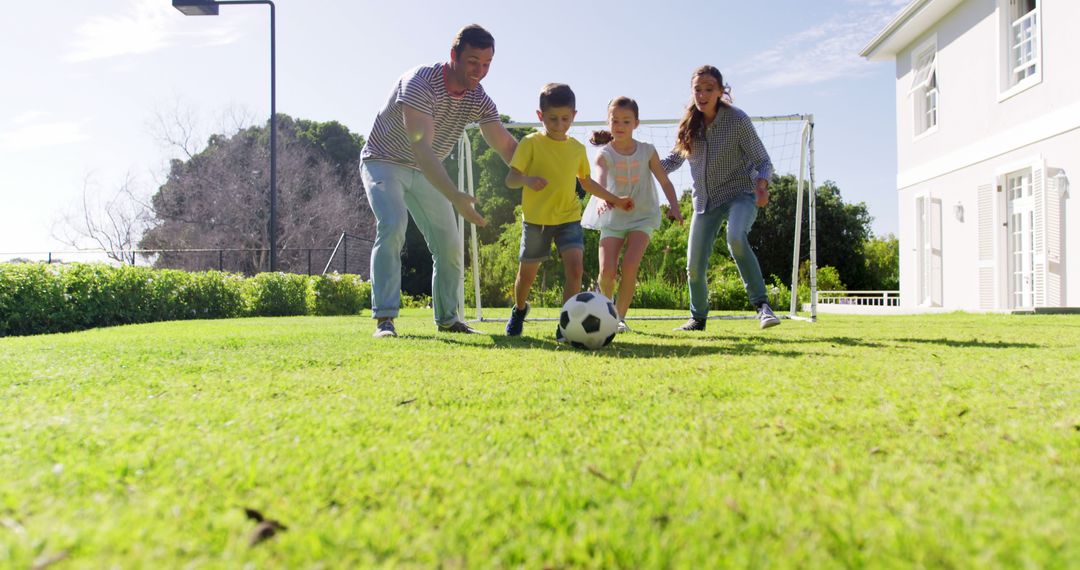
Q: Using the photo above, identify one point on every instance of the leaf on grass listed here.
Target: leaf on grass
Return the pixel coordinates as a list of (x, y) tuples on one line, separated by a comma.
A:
[(12, 525), (963, 413), (877, 451), (600, 475), (46, 560), (735, 507), (265, 531)]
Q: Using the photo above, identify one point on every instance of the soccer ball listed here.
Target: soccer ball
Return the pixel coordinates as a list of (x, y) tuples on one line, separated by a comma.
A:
[(589, 321)]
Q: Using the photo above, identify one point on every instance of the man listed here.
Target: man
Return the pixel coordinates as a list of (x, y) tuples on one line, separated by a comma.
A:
[(401, 166)]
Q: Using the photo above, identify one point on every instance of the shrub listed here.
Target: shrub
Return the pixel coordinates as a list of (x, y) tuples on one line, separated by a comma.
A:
[(32, 299), (212, 295), (336, 294), (277, 295), (658, 294)]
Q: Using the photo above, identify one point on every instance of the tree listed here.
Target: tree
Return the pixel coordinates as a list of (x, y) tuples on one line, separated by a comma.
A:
[(842, 231), (217, 199), (883, 263), (113, 225)]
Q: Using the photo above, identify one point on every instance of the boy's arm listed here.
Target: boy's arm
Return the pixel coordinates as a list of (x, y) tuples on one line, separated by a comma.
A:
[(669, 188), (516, 179), (420, 127), (590, 186)]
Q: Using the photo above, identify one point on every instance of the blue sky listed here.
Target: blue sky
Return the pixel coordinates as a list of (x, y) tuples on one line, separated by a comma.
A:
[(85, 80)]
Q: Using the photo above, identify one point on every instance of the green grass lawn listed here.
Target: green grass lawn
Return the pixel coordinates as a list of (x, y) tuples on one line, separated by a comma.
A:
[(918, 441)]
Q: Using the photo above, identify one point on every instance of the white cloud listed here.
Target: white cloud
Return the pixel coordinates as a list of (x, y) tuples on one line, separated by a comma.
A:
[(827, 51), (30, 136), (28, 117), (144, 27)]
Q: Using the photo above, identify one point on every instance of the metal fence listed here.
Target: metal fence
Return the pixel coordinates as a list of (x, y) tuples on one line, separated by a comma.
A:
[(353, 255)]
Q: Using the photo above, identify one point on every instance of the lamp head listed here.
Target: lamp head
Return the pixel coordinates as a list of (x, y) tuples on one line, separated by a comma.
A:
[(196, 7)]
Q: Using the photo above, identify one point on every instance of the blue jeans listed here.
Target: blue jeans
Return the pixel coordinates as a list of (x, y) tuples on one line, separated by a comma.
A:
[(740, 214), (394, 192)]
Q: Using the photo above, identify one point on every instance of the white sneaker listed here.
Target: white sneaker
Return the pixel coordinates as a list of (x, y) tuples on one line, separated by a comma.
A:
[(623, 328), (766, 316)]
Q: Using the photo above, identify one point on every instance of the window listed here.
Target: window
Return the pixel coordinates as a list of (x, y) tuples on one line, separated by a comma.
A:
[(1022, 46), (1021, 228), (924, 88)]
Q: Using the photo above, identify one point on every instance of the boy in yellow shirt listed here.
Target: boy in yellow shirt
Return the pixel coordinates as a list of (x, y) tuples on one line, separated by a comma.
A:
[(547, 166)]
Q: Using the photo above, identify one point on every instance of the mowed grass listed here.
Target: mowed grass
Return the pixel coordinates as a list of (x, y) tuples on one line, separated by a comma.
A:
[(918, 441)]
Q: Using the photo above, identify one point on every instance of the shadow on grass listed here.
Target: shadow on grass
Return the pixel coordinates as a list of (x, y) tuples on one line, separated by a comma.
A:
[(632, 347), (973, 343)]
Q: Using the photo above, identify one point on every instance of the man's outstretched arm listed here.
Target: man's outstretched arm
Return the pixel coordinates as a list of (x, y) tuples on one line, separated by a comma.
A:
[(421, 130)]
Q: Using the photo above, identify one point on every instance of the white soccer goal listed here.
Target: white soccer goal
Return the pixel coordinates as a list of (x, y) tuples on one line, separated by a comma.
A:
[(789, 140)]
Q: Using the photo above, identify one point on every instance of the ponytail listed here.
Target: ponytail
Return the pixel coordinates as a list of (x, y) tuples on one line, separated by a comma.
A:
[(601, 137)]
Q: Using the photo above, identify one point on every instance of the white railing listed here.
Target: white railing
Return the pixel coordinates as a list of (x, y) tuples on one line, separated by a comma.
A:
[(1025, 45), (860, 298)]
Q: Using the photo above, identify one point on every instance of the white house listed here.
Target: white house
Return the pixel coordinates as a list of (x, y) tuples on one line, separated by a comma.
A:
[(988, 139)]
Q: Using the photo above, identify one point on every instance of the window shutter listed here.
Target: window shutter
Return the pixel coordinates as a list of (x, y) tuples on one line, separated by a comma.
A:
[(1038, 237), (987, 268), (1054, 292)]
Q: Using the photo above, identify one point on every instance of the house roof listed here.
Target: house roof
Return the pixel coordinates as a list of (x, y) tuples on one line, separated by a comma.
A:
[(910, 23)]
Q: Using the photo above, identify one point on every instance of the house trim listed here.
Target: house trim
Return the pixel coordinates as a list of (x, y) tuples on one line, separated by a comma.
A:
[(1049, 125), (906, 27)]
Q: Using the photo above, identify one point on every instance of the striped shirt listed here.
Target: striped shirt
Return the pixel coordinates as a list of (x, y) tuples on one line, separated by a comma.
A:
[(424, 89), (727, 161)]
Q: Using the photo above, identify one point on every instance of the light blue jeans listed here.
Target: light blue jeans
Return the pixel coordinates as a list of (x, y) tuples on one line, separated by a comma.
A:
[(740, 214), (394, 192)]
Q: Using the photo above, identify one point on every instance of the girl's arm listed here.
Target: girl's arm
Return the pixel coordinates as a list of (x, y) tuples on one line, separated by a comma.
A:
[(667, 186), (590, 186), (600, 177)]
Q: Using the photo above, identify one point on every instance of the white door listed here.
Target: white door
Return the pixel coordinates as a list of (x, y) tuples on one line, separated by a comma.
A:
[(1021, 240)]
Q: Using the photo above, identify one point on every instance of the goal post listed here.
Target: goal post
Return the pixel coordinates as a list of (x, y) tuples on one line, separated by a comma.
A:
[(788, 139)]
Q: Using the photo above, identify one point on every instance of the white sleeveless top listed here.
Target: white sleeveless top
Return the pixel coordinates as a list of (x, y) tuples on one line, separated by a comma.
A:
[(627, 175)]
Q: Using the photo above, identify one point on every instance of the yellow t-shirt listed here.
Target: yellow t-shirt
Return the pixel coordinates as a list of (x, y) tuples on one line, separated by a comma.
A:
[(560, 163)]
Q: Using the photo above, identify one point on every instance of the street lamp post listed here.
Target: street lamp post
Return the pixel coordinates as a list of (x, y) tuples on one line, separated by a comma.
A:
[(210, 8)]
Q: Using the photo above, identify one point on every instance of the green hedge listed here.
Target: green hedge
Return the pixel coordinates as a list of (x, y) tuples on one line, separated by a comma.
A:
[(37, 298)]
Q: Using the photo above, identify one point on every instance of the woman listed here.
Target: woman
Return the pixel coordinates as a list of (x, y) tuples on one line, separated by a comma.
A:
[(731, 173)]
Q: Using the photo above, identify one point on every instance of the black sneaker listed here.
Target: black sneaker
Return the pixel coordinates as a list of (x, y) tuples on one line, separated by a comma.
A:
[(559, 335), (694, 324), (766, 316), (385, 329), (517, 321), (458, 327)]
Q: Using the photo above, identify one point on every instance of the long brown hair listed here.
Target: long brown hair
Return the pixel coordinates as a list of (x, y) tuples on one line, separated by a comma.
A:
[(692, 122), (603, 136)]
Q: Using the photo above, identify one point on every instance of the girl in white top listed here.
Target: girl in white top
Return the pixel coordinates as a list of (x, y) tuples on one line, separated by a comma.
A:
[(626, 167)]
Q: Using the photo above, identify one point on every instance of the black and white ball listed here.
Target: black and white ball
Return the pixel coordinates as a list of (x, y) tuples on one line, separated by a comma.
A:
[(589, 320)]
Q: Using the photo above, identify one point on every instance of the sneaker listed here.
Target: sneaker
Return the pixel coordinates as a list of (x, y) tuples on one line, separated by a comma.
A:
[(458, 327), (559, 335), (766, 316), (517, 321), (623, 328), (384, 329), (694, 324)]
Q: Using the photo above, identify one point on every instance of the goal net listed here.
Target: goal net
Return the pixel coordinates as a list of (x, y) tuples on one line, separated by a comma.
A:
[(788, 139)]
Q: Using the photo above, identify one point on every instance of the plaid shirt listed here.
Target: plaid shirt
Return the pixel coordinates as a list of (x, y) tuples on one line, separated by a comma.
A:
[(726, 162)]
